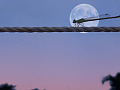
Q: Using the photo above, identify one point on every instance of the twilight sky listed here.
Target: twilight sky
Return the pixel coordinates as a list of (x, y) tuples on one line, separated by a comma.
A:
[(56, 61)]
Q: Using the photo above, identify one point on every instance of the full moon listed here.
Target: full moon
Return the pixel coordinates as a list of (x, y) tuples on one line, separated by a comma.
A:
[(86, 11)]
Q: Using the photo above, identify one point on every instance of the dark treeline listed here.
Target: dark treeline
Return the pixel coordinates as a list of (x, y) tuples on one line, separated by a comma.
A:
[(114, 82), (7, 86)]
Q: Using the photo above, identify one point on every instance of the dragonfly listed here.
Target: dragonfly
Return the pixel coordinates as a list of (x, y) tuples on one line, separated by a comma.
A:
[(80, 22)]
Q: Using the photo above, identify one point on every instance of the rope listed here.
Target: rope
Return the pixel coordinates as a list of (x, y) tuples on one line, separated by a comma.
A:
[(59, 29)]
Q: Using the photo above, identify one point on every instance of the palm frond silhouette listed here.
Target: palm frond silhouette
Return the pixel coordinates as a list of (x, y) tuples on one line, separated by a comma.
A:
[(114, 81)]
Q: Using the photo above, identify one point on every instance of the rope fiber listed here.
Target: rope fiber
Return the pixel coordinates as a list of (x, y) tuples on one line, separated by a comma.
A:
[(59, 29)]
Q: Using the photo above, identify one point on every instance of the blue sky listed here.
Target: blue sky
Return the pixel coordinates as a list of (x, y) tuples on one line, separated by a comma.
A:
[(52, 12), (56, 61)]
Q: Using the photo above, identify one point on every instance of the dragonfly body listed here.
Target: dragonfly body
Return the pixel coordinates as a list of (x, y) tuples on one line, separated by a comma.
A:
[(80, 22)]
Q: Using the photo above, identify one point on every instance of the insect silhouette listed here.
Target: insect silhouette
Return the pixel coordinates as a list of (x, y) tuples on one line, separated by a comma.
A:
[(80, 22)]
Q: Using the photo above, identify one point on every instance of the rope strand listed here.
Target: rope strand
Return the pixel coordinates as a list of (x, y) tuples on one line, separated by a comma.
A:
[(59, 29)]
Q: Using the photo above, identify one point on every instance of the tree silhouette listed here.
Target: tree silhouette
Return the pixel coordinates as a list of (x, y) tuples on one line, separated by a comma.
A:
[(35, 89), (114, 81), (6, 86)]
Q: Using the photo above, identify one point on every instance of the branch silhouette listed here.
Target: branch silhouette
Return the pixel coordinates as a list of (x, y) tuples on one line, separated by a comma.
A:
[(114, 81)]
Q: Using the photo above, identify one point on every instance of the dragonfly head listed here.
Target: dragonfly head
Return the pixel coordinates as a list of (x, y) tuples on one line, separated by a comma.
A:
[(74, 21)]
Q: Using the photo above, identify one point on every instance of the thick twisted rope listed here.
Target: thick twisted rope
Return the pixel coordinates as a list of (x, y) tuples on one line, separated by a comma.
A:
[(59, 29)]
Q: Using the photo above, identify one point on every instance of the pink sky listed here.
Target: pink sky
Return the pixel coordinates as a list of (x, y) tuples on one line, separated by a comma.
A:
[(66, 61)]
